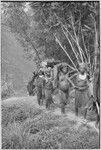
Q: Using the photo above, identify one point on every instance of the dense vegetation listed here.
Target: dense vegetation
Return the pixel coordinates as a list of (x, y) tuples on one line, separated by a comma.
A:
[(53, 29), (65, 31)]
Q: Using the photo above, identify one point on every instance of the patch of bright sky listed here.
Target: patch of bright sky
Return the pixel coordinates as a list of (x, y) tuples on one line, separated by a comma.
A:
[(28, 9)]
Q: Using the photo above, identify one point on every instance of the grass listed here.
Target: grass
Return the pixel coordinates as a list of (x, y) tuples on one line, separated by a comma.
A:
[(29, 127)]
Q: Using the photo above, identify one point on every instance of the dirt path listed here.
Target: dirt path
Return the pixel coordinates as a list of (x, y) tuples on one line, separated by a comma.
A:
[(32, 100)]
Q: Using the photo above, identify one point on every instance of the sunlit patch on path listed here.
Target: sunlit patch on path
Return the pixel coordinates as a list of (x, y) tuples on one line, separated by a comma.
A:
[(79, 121)]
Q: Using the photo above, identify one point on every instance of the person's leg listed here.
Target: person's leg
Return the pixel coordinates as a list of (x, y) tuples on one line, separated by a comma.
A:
[(43, 95), (85, 113), (50, 100), (47, 104), (39, 95), (63, 108), (76, 110), (88, 98), (63, 101), (46, 98), (76, 103)]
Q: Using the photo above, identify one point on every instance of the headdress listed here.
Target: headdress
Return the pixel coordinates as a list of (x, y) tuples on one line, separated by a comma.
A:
[(82, 65)]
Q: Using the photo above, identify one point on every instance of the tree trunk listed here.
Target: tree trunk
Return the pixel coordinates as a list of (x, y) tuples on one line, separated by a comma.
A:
[(96, 47)]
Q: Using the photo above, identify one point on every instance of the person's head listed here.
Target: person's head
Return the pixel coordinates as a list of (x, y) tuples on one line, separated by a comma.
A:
[(44, 64), (82, 68), (64, 69), (41, 72), (48, 71)]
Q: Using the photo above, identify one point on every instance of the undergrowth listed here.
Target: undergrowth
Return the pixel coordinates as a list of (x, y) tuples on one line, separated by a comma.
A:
[(25, 127)]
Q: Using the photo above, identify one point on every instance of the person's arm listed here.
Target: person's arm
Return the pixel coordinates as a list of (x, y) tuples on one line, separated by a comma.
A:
[(72, 73), (70, 81), (56, 74), (88, 76), (43, 82)]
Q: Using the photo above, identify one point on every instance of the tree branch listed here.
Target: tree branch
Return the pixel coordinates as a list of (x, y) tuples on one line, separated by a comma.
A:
[(70, 43), (76, 37), (95, 43), (65, 51), (84, 44)]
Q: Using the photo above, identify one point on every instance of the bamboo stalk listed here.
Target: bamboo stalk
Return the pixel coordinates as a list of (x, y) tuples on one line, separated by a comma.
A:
[(71, 72), (70, 66), (72, 46), (70, 81), (76, 38), (84, 44), (84, 55), (65, 52), (70, 43), (89, 61), (65, 29), (76, 43), (80, 32), (71, 36), (63, 63), (67, 65), (67, 55), (73, 75), (96, 45)]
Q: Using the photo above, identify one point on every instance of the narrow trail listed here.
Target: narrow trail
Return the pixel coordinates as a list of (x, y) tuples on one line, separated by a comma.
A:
[(79, 120), (32, 101)]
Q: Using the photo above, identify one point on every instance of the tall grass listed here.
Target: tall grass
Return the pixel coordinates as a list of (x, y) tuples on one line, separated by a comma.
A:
[(28, 127)]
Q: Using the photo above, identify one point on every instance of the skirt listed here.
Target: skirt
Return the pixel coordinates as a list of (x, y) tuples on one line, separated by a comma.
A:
[(48, 96), (82, 98), (64, 97)]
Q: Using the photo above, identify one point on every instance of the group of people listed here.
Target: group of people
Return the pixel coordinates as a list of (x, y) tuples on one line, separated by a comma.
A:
[(87, 89)]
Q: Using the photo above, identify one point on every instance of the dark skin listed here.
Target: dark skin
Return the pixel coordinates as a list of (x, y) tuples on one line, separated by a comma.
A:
[(64, 69), (48, 89), (82, 71)]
